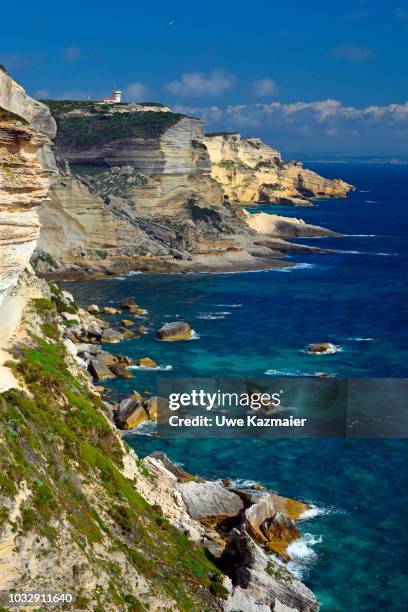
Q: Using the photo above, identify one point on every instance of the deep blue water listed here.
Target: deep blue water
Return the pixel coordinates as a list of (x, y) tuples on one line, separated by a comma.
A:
[(353, 554)]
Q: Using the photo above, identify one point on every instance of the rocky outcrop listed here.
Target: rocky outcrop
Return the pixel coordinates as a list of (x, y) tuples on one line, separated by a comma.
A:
[(209, 502), (285, 227), (24, 178), (251, 171), (176, 330)]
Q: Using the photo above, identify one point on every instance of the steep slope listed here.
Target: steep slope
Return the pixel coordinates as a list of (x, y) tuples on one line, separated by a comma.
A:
[(23, 179), (165, 151), (251, 171), (134, 191)]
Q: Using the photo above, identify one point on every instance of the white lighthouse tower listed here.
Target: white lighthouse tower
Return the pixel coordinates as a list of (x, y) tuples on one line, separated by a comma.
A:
[(117, 96), (115, 99)]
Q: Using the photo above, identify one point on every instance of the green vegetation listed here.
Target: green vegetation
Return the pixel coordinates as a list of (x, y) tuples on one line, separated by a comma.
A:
[(210, 134), (230, 164), (78, 132), (101, 253), (88, 169), (276, 162), (273, 186), (279, 572), (56, 439)]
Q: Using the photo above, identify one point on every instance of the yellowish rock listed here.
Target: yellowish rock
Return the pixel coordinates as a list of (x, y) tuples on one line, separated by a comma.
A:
[(109, 310), (147, 362), (126, 322)]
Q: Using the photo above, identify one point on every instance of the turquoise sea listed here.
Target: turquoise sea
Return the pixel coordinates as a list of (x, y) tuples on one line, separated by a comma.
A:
[(353, 552)]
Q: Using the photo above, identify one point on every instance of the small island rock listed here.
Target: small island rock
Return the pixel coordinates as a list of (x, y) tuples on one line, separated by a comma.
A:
[(176, 330)]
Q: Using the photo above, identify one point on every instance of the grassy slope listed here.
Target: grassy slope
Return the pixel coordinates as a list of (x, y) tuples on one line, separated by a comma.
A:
[(56, 439)]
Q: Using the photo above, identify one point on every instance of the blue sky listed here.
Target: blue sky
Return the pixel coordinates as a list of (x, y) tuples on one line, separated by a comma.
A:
[(311, 77)]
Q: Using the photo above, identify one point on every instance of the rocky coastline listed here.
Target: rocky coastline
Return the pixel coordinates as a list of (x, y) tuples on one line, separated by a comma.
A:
[(79, 510)]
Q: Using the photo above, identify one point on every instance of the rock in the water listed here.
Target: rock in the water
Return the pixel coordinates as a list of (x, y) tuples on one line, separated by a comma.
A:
[(109, 310), (137, 311), (111, 335), (147, 362), (209, 502), (128, 302), (99, 370), (127, 323), (323, 348), (257, 514), (271, 521), (107, 358), (131, 413), (176, 330), (258, 487), (93, 309), (260, 583), (120, 369)]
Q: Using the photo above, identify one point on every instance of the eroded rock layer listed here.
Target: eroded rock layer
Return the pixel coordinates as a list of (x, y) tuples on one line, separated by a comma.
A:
[(24, 155), (251, 171)]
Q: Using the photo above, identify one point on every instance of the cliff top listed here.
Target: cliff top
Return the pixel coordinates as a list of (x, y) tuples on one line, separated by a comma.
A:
[(82, 124)]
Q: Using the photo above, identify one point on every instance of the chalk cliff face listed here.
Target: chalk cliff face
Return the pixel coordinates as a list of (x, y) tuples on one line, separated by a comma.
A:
[(251, 171), (25, 165), (166, 150)]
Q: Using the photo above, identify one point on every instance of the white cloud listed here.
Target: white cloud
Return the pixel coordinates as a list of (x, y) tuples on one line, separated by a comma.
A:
[(314, 126), (136, 92), (352, 52), (265, 87), (71, 54), (196, 84)]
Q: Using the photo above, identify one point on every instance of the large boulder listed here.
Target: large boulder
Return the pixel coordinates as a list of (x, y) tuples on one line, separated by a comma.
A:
[(176, 330), (131, 413), (99, 370), (271, 521), (93, 309), (209, 502)]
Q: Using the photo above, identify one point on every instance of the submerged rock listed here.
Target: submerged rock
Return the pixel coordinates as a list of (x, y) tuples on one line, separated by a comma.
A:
[(128, 302), (176, 330)]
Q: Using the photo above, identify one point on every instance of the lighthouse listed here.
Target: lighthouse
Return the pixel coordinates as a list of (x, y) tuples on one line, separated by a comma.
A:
[(115, 99)]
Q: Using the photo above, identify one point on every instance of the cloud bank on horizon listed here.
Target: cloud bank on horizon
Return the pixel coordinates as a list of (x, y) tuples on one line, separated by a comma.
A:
[(323, 126)]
